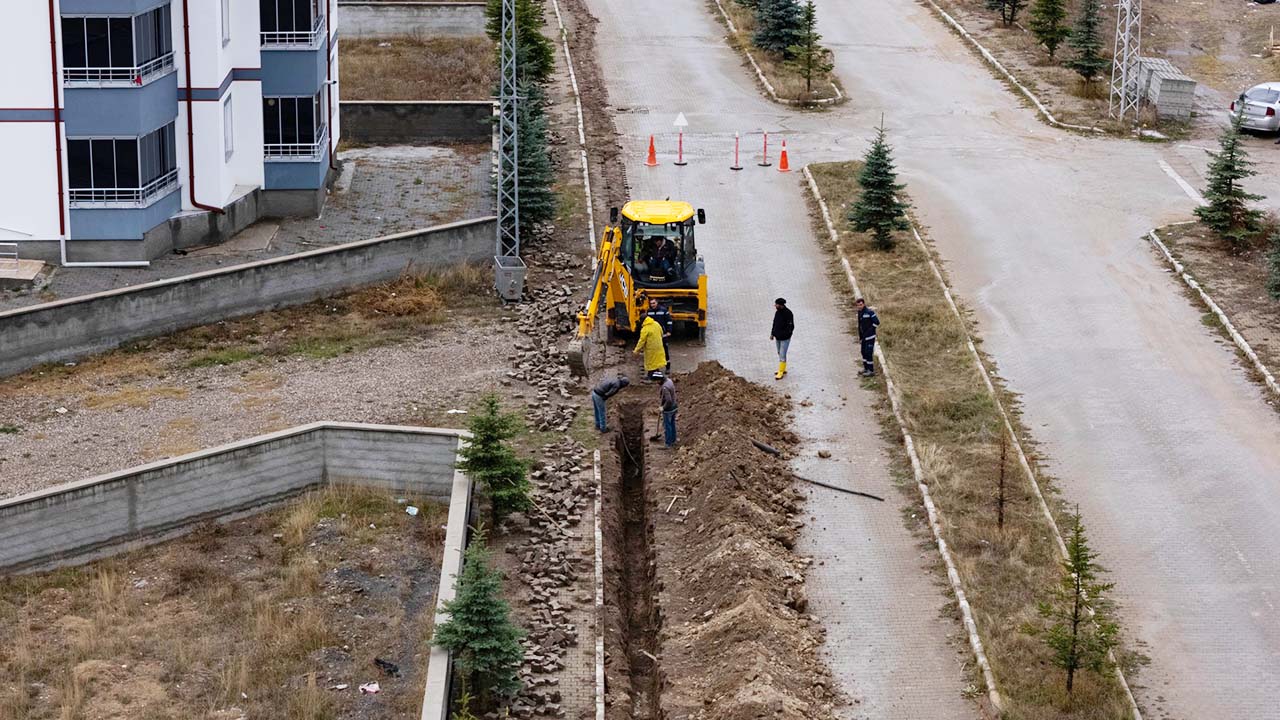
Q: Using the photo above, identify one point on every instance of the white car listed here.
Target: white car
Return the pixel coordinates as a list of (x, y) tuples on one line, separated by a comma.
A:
[(1260, 107)]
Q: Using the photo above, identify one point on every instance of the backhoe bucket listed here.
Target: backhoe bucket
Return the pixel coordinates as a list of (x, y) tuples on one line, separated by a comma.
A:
[(577, 355)]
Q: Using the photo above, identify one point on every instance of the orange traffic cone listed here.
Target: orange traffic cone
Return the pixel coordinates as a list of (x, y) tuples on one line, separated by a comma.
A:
[(783, 165), (653, 155)]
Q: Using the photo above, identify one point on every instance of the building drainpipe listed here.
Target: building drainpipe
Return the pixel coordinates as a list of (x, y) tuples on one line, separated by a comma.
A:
[(191, 141), (57, 136), (328, 79)]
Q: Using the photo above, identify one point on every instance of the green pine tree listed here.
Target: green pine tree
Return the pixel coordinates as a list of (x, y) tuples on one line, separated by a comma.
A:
[(809, 59), (535, 53), (878, 209), (1273, 267), (1086, 41), (1049, 24), (479, 633), (778, 25), (1009, 9), (1080, 639), (537, 173), (489, 459), (1227, 210)]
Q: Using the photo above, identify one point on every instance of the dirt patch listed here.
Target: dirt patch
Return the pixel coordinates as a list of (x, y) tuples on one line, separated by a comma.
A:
[(268, 616), (408, 68), (1237, 282), (699, 546)]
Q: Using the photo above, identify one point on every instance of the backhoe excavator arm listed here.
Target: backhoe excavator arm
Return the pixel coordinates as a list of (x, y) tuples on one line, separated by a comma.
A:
[(606, 271)]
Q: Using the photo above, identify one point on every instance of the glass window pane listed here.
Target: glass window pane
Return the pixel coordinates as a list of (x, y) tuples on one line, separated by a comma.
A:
[(267, 15), (301, 16), (170, 157), (121, 31), (306, 120), (164, 30), (97, 46), (288, 120), (270, 121), (104, 163), (73, 42), (127, 163), (78, 165)]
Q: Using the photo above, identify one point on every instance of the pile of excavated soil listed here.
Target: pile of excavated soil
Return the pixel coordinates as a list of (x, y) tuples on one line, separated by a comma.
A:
[(735, 639)]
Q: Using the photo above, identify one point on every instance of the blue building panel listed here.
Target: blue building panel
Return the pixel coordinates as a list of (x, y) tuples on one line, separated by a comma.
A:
[(121, 111), (293, 175), (123, 223), (295, 73), (73, 8)]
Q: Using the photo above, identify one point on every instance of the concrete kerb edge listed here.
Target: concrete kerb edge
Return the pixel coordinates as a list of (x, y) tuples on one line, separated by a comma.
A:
[(582, 135), (435, 695), (599, 602), (985, 372), (768, 86), (991, 60), (953, 576), (1241, 344)]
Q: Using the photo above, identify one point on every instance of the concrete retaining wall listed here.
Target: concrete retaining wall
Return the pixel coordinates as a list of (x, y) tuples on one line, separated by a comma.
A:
[(397, 122), (142, 504), (426, 19), (75, 327)]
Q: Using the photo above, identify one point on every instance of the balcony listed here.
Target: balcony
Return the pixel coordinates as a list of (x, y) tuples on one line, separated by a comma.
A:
[(298, 152), (295, 39), (118, 76), (125, 197)]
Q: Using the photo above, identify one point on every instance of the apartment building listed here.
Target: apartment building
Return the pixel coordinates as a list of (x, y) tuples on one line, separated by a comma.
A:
[(131, 127)]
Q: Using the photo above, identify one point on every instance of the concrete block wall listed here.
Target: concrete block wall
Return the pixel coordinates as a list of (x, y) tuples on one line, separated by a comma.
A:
[(141, 504), (426, 19), (417, 122), (69, 329)]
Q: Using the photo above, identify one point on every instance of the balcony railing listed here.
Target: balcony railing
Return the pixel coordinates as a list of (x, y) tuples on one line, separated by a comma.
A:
[(298, 152), (126, 196), (139, 75), (295, 38)]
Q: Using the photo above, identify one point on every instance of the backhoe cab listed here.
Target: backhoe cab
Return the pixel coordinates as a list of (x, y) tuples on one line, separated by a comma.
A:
[(647, 251)]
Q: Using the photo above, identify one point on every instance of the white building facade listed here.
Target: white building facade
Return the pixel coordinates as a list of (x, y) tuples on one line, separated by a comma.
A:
[(136, 126)]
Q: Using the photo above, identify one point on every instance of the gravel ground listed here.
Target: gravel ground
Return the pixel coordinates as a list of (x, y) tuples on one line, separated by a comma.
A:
[(391, 189), (113, 420)]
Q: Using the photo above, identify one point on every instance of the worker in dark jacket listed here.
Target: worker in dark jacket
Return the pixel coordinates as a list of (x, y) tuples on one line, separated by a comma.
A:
[(663, 317), (667, 398), (605, 390), (867, 324), (784, 324)]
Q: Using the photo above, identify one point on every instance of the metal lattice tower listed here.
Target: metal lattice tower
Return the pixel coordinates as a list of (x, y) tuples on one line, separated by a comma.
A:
[(1125, 90), (508, 150)]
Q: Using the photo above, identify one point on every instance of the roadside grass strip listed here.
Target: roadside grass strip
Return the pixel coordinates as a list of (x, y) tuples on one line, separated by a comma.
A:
[(787, 86), (954, 423)]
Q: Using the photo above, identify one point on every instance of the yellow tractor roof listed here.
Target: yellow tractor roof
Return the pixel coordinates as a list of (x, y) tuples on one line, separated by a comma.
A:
[(657, 212)]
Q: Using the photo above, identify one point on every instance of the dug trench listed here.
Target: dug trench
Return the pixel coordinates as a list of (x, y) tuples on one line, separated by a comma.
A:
[(705, 606)]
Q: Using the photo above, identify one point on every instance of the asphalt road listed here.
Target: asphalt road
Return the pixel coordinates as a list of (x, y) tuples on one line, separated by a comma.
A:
[(1144, 416)]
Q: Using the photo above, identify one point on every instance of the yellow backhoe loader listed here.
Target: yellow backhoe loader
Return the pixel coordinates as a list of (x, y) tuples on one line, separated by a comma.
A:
[(648, 252)]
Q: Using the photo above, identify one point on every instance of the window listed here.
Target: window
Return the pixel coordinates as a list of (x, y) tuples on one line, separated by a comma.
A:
[(117, 48), (293, 126), (228, 129), (226, 21), (290, 21), (122, 169)]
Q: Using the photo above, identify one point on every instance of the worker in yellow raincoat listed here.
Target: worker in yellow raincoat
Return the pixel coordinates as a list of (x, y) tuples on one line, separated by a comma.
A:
[(650, 343)]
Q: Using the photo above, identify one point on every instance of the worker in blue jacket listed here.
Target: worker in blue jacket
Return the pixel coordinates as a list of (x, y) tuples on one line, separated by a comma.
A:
[(868, 321)]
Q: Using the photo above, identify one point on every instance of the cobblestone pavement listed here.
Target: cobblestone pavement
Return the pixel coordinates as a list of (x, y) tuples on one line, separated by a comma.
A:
[(889, 642), (391, 189)]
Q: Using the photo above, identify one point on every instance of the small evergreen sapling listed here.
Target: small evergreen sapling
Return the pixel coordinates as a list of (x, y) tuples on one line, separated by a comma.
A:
[(535, 54), (809, 59), (778, 26), (537, 172), (1048, 24), (1227, 209), (1086, 41), (878, 210), (479, 633), (490, 460), (1081, 632)]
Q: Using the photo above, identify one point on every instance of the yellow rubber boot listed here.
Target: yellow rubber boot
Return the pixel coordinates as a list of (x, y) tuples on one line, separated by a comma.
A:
[(782, 370)]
